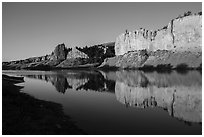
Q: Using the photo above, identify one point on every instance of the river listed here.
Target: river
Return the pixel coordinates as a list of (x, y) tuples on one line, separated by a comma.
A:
[(122, 102)]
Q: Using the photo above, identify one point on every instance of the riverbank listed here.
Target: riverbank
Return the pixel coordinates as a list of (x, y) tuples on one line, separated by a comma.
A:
[(25, 115)]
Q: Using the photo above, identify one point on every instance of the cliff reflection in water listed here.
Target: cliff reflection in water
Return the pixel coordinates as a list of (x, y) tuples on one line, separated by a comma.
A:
[(178, 93), (77, 80)]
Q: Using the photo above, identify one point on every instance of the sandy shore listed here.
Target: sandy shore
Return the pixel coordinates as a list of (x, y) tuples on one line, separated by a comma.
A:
[(25, 115)]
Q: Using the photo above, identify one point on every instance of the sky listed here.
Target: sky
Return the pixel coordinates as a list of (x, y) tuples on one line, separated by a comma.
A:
[(35, 29)]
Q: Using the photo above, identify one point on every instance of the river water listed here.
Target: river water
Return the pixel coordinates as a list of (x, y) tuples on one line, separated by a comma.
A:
[(122, 102)]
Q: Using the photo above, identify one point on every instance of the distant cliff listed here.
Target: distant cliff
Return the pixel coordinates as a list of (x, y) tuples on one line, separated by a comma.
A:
[(175, 45)]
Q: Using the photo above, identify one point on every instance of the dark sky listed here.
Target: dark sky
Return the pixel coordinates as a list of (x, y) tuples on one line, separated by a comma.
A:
[(34, 29)]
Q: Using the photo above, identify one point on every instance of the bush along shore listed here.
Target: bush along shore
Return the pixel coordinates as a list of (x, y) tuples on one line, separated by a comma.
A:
[(25, 115)]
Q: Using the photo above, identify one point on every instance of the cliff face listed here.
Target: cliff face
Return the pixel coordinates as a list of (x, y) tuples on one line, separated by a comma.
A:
[(188, 33), (135, 40), (177, 45), (180, 35)]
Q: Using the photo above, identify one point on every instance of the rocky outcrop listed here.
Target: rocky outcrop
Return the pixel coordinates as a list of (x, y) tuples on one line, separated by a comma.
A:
[(74, 53), (179, 35), (57, 56), (62, 57), (177, 45), (60, 53), (40, 63), (74, 58), (187, 32), (135, 40)]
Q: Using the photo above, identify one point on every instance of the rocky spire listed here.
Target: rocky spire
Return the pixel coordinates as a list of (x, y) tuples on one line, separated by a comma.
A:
[(60, 52)]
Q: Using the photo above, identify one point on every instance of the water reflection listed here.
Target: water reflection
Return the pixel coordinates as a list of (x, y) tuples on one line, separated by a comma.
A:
[(178, 93), (76, 80)]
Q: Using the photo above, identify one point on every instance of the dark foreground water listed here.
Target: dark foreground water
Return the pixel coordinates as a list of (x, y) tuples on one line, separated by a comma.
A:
[(122, 102)]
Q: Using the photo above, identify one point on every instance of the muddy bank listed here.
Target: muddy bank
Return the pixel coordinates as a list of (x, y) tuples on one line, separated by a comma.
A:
[(25, 115)]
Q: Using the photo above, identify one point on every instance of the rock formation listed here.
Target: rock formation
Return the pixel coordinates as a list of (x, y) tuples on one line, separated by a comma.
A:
[(74, 53), (62, 57), (180, 35), (74, 58), (60, 53), (179, 44), (58, 58)]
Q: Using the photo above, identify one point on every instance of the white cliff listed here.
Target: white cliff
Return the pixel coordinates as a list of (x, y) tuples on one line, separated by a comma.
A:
[(181, 34)]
